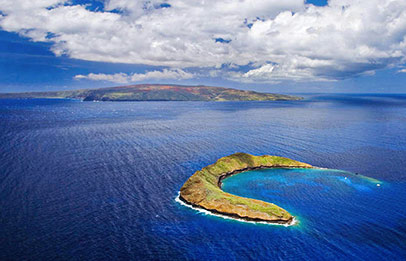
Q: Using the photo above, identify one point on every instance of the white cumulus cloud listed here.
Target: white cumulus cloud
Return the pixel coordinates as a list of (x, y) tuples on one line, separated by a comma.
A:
[(274, 39), (175, 74)]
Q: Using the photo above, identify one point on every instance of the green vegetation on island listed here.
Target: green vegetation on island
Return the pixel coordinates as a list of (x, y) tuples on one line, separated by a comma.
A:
[(156, 92), (203, 188)]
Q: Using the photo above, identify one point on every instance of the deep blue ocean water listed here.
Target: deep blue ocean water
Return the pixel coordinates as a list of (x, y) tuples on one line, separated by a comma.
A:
[(98, 181)]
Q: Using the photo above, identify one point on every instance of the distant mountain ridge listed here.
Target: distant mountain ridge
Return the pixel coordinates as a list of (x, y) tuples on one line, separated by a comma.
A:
[(156, 92)]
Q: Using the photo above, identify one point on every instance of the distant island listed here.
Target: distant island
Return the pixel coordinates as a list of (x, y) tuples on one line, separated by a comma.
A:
[(156, 92), (203, 189)]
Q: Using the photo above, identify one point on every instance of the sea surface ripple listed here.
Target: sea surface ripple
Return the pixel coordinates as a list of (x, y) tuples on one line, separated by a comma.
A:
[(98, 181)]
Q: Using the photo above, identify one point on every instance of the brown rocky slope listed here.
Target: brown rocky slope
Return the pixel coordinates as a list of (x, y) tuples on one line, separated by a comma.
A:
[(203, 188)]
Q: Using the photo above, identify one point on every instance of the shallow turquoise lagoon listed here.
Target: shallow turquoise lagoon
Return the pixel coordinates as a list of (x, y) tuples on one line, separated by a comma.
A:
[(312, 195)]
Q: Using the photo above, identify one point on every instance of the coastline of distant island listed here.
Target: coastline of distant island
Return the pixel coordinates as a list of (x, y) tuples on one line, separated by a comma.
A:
[(155, 92)]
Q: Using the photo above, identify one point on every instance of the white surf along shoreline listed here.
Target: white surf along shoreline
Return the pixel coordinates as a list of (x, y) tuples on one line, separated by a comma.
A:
[(295, 221), (207, 212)]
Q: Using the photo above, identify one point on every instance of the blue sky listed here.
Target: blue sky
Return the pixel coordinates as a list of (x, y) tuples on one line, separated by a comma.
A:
[(64, 55)]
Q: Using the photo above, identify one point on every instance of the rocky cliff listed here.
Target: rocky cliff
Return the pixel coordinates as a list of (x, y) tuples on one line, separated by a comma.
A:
[(203, 188)]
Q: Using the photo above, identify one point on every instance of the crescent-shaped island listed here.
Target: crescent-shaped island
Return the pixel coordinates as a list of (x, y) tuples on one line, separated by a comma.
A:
[(203, 189)]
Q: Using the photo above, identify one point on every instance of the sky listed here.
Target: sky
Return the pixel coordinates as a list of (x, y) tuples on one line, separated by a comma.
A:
[(290, 46)]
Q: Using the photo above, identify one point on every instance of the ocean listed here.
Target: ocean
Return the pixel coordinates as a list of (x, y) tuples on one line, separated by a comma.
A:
[(98, 180)]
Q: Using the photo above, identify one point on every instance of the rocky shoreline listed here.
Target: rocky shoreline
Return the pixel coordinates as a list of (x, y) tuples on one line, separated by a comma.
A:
[(203, 189), (224, 216)]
